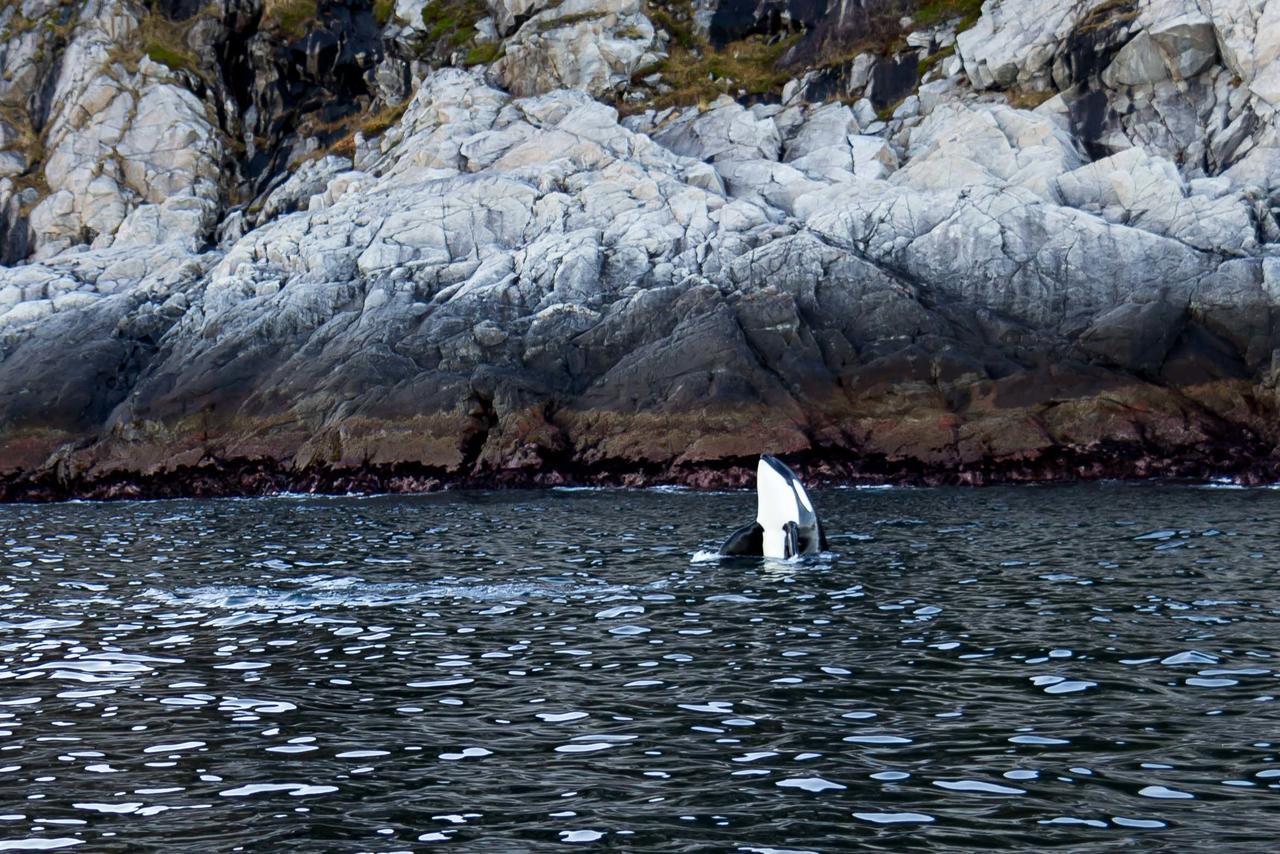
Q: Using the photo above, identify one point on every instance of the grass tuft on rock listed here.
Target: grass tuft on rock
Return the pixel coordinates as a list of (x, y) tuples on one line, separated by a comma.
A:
[(696, 72), (1112, 13), (176, 60), (934, 12), (163, 41), (483, 54), (884, 35), (369, 125), (449, 33), (383, 10), (924, 66), (379, 122), (452, 21), (31, 144), (681, 32), (1027, 99), (290, 19), (548, 24)]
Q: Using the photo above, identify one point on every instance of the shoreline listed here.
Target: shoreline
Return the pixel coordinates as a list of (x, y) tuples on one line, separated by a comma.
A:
[(832, 468)]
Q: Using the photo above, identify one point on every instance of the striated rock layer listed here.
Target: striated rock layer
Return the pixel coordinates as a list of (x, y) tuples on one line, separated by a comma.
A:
[(512, 285)]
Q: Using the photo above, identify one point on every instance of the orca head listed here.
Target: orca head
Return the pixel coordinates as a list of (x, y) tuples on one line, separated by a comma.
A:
[(776, 502), (782, 505), (777, 505)]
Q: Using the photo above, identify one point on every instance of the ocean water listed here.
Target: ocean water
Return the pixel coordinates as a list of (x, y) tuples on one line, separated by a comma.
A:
[(1083, 667)]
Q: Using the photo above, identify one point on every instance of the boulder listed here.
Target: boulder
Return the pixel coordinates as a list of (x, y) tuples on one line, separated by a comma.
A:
[(726, 131), (1015, 43), (1249, 36), (963, 144), (1188, 43)]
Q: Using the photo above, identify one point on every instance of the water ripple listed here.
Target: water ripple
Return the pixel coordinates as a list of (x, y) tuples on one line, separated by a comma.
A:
[(530, 671)]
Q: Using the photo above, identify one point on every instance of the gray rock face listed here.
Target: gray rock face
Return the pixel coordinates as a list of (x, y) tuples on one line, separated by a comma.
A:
[(129, 156), (594, 45), (508, 15), (310, 179), (1135, 188), (1192, 82), (727, 131), (511, 284)]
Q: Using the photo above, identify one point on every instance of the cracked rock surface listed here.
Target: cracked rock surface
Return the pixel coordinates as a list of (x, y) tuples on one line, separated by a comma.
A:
[(512, 284)]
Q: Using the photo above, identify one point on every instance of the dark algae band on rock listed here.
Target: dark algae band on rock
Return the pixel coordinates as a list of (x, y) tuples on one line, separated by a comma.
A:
[(258, 246), (213, 477)]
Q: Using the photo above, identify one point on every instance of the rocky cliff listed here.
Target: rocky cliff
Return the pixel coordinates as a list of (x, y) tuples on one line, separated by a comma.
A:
[(268, 244)]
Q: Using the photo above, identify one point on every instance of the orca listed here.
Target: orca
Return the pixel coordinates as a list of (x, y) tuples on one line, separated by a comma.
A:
[(786, 524)]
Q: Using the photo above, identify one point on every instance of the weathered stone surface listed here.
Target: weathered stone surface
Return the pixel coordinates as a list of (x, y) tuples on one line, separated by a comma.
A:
[(961, 144), (1249, 33), (594, 45), (508, 15), (1136, 189), (1188, 43), (295, 192), (1195, 83), (1016, 42), (726, 131), (115, 141)]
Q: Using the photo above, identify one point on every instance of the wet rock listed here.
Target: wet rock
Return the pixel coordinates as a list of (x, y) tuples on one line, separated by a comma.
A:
[(1135, 336)]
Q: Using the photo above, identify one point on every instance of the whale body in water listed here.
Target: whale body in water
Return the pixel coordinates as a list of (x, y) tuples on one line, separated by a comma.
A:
[(786, 524)]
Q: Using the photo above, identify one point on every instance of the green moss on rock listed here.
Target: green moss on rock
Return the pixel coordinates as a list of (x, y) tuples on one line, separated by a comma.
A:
[(383, 10), (290, 19), (933, 12), (483, 54), (450, 25)]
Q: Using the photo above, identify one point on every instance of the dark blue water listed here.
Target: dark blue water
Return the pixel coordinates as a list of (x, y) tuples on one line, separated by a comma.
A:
[(1074, 667)]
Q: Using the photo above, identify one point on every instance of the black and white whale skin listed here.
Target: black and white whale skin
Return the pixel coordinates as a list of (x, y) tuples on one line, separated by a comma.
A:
[(786, 524)]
